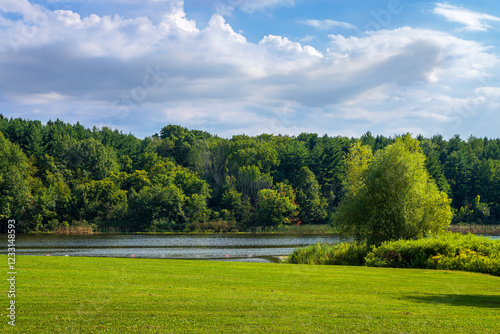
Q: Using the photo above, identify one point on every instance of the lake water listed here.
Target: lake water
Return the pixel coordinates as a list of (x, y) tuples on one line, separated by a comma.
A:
[(227, 247), (240, 247)]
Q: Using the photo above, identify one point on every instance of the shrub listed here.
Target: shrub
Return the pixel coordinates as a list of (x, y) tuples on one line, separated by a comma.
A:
[(408, 254), (446, 252), (339, 254), (467, 260), (450, 252)]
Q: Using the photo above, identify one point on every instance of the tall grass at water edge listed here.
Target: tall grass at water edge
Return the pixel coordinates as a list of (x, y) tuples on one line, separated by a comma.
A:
[(475, 229), (74, 230), (295, 229)]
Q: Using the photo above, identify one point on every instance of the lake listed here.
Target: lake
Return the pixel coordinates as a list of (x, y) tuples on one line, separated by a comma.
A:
[(227, 247)]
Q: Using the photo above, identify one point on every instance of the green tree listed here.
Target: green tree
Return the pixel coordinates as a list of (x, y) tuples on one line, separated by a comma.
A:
[(100, 203), (434, 166), (194, 190), (157, 208), (311, 204), (492, 151), (128, 181), (14, 186), (251, 151), (474, 213), (250, 181), (189, 182), (231, 201), (91, 159), (457, 169), (292, 154), (357, 161), (209, 158), (276, 207), (177, 142), (394, 196)]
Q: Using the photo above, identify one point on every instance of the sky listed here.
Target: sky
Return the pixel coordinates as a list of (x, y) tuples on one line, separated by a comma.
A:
[(234, 67)]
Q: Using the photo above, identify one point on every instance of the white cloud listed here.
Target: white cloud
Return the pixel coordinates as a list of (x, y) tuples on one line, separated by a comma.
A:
[(488, 91), (473, 21), (30, 12), (286, 49), (39, 99), (327, 24), (227, 6), (136, 74), (428, 54)]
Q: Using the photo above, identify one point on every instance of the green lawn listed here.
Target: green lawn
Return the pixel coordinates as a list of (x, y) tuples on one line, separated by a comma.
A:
[(92, 295)]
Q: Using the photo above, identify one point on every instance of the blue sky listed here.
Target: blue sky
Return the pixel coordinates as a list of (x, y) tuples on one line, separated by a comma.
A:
[(255, 66)]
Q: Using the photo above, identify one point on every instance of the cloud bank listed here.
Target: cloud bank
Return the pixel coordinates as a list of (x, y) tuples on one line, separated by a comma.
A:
[(139, 74)]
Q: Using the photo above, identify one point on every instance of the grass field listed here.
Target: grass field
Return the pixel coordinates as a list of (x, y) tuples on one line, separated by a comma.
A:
[(93, 295)]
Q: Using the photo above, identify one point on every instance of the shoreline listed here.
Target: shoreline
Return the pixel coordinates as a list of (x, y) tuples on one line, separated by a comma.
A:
[(464, 229), (475, 229)]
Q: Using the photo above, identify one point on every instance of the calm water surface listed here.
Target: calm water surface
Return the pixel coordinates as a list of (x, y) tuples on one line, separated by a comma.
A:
[(253, 248)]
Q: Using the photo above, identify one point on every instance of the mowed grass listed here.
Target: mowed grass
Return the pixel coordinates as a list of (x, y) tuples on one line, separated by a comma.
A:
[(94, 295)]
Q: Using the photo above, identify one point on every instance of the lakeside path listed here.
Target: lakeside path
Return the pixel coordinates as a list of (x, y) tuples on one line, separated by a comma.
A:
[(117, 295)]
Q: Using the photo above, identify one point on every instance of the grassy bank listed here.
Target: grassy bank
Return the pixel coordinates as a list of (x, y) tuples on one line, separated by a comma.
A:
[(92, 295)]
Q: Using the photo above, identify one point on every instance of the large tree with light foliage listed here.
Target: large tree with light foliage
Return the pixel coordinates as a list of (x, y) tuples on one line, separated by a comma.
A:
[(390, 195)]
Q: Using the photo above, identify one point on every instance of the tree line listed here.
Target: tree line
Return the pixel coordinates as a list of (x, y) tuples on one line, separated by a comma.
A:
[(58, 175)]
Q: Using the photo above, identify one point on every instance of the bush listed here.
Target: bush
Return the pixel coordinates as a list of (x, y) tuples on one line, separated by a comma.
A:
[(339, 254), (467, 260), (446, 252), (408, 254), (449, 252)]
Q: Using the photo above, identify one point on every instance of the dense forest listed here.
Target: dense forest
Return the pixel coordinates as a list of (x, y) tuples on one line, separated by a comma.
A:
[(61, 175)]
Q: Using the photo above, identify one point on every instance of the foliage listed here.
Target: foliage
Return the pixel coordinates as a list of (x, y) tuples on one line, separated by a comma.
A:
[(99, 202), (446, 252), (209, 158), (250, 181), (391, 196), (277, 206), (157, 208), (345, 253), (312, 205), (14, 177), (474, 213), (50, 174), (247, 151), (90, 159), (449, 251), (177, 142)]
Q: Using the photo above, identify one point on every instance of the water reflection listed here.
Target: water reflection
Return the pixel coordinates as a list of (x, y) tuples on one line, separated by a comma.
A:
[(241, 247)]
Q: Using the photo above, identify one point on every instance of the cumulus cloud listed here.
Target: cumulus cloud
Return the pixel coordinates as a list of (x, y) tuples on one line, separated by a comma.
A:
[(138, 74), (472, 21)]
